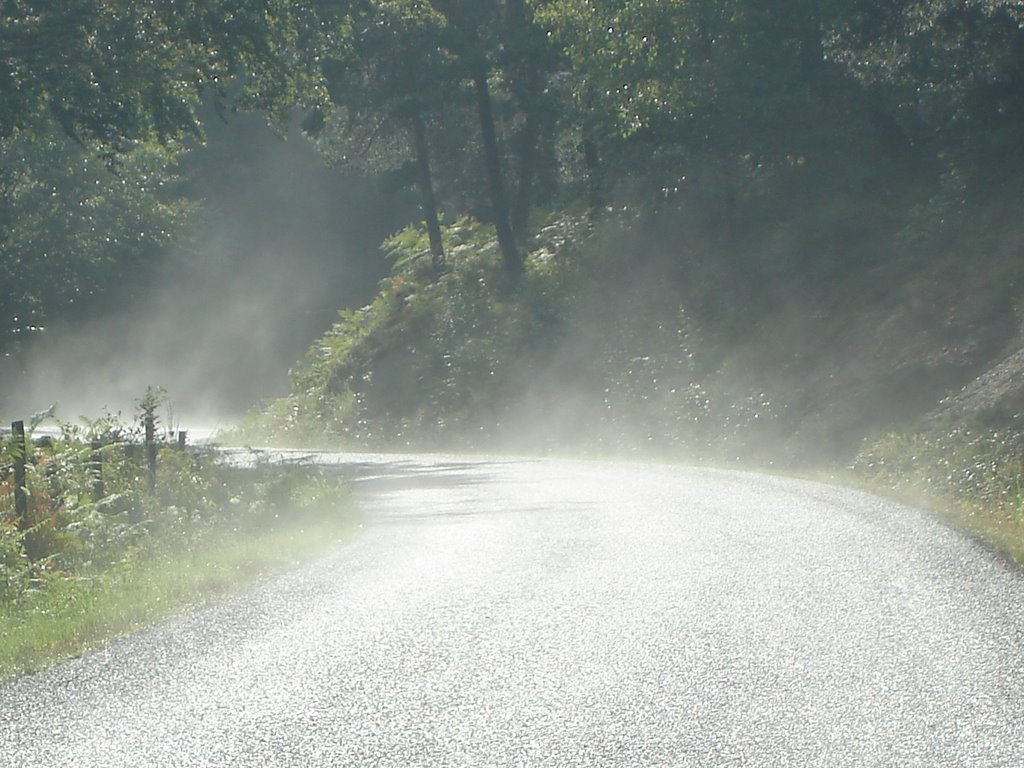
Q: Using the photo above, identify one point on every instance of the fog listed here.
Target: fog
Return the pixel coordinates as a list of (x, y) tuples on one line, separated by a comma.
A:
[(281, 244)]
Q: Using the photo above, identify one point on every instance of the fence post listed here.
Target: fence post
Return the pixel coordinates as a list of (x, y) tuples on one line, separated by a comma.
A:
[(151, 451), (96, 470), (20, 491), (182, 437)]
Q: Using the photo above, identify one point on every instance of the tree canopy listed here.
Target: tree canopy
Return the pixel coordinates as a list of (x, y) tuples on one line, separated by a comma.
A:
[(502, 108), (97, 97), (117, 71)]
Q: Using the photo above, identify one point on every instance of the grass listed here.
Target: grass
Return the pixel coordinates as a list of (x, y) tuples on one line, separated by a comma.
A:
[(69, 616), (968, 472), (998, 525)]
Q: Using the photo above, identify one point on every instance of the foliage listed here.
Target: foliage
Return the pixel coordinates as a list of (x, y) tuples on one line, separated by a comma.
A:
[(951, 73), (629, 62), (974, 463), (119, 72), (76, 234), (97, 99), (968, 469), (790, 151), (52, 614), (749, 112), (386, 66), (583, 353), (77, 526)]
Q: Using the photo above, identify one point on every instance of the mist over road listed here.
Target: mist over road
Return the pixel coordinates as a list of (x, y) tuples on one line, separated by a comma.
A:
[(558, 613)]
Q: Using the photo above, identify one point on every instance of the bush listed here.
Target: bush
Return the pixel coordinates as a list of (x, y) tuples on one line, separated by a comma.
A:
[(76, 526)]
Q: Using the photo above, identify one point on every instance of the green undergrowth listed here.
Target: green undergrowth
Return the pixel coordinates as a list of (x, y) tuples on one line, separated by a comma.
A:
[(91, 562), (583, 352), (970, 471)]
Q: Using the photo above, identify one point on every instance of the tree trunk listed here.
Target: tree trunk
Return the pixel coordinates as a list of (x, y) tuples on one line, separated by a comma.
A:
[(524, 71), (428, 203), (595, 191), (511, 257), (527, 173)]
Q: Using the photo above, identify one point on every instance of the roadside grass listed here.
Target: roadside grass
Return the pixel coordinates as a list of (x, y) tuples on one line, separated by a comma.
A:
[(967, 476), (1001, 529), (103, 547), (969, 471), (999, 525), (65, 616)]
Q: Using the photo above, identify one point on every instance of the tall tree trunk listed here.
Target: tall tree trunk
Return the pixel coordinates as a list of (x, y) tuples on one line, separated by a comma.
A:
[(511, 257), (527, 155), (425, 181), (523, 68), (595, 187)]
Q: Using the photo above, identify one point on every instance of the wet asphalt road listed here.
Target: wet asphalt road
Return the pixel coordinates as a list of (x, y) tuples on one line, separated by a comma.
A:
[(548, 613)]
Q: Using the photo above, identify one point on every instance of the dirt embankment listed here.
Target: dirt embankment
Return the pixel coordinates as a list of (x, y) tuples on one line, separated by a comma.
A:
[(997, 393), (894, 350)]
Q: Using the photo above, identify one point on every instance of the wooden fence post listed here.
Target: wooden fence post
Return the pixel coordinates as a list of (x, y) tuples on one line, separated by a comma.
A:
[(20, 491), (151, 451)]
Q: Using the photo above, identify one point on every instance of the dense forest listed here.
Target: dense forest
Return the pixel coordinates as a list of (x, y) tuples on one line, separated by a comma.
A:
[(705, 229)]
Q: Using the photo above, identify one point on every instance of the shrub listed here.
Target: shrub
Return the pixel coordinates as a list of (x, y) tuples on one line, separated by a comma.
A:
[(74, 528)]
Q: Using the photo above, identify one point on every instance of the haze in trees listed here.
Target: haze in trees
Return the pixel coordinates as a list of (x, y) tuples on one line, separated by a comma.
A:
[(753, 165)]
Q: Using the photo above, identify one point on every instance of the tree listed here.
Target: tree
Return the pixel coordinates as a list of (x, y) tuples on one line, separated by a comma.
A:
[(75, 234), (625, 74), (117, 81), (117, 71), (527, 62), (470, 26), (952, 75), (700, 95), (386, 79), (402, 77)]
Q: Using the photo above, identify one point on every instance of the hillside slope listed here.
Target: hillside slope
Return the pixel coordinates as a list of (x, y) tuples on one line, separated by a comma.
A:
[(631, 337)]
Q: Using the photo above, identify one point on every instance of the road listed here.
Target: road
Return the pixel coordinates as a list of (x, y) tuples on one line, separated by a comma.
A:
[(560, 613)]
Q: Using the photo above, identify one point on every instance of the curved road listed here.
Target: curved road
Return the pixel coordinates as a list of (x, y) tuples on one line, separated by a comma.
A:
[(557, 613)]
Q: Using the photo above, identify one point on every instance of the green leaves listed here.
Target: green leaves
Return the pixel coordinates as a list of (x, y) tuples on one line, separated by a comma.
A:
[(952, 75), (74, 231), (121, 71), (96, 100), (627, 58)]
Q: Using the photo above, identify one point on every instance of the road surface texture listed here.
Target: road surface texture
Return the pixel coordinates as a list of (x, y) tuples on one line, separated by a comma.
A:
[(557, 613)]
